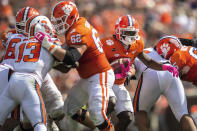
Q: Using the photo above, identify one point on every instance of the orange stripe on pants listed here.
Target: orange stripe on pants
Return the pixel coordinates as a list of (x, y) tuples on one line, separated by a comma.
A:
[(42, 104), (137, 93), (103, 95)]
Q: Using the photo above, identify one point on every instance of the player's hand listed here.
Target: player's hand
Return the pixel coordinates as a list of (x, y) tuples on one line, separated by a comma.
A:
[(46, 42), (128, 79), (124, 71), (171, 69)]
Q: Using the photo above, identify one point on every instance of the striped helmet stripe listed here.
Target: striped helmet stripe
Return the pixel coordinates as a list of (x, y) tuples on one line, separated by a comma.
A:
[(130, 20), (172, 37), (29, 22), (26, 11)]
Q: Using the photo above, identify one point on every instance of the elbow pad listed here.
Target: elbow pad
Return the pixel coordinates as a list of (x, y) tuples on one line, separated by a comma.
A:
[(72, 56)]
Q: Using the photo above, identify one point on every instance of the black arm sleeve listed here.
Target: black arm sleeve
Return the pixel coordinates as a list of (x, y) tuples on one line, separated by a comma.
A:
[(187, 42), (72, 56)]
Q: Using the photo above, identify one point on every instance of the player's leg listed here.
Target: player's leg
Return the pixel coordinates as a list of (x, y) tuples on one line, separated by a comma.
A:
[(31, 101), (178, 103), (4, 74), (53, 102), (144, 98), (98, 97), (123, 108), (77, 98), (7, 104)]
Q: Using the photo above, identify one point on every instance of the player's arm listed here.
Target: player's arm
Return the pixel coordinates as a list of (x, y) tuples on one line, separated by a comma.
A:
[(189, 42), (155, 65), (62, 67), (68, 56), (149, 62), (75, 52)]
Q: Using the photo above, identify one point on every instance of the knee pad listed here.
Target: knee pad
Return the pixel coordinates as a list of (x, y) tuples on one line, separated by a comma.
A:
[(40, 127), (80, 116), (111, 105), (56, 114), (125, 116), (106, 125)]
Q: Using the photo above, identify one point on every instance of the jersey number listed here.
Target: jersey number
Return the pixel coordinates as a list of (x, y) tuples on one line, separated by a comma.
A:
[(97, 40), (10, 52), (34, 53), (193, 52)]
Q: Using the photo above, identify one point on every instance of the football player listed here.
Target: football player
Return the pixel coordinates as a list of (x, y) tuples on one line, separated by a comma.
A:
[(49, 90), (30, 68), (126, 43), (185, 60), (152, 84), (97, 76)]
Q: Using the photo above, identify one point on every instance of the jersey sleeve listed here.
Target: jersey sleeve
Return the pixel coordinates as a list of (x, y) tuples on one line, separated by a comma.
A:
[(80, 35), (139, 47), (178, 60), (5, 36)]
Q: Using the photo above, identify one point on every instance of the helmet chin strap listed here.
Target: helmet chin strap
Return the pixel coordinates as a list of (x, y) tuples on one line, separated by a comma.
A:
[(126, 46)]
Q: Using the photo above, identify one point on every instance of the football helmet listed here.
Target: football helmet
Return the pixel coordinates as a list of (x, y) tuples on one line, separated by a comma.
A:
[(64, 14), (167, 45), (126, 29), (39, 24), (22, 16)]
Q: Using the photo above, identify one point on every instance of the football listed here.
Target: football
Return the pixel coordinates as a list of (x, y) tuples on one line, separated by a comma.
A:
[(116, 64)]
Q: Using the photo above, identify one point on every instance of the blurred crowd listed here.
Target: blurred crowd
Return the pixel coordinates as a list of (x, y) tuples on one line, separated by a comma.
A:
[(156, 18)]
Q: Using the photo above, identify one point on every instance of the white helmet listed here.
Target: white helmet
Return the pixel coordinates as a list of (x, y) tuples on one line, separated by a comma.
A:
[(39, 24)]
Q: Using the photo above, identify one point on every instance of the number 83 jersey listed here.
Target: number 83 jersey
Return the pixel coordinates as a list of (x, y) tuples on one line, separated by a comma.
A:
[(93, 60), (185, 59), (32, 58)]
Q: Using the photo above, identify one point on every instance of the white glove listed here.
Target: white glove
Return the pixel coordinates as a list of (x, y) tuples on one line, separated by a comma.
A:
[(46, 42)]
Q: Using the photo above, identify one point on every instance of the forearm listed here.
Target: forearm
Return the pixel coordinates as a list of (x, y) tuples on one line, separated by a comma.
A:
[(153, 64), (149, 62), (59, 54)]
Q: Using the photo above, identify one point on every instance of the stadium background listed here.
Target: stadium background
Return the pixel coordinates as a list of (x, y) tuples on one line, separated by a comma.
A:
[(156, 18)]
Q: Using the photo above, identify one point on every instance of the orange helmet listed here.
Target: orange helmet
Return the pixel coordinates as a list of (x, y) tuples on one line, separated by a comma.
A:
[(126, 29), (64, 14), (22, 16), (167, 46)]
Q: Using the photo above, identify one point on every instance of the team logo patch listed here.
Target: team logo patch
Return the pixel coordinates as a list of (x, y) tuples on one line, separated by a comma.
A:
[(116, 55), (109, 42), (67, 9), (165, 48)]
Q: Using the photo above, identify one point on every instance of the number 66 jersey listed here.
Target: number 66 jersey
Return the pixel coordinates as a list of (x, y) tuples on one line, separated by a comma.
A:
[(185, 59)]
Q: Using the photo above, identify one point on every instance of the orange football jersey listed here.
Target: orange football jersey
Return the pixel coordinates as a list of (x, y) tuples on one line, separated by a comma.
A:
[(5, 35), (185, 59), (93, 60), (114, 50)]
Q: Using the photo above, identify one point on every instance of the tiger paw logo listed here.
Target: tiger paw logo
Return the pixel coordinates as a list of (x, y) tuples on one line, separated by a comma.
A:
[(165, 48), (67, 9)]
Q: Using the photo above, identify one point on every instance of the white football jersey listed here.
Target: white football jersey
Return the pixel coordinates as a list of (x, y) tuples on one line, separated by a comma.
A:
[(9, 55), (140, 66), (32, 58)]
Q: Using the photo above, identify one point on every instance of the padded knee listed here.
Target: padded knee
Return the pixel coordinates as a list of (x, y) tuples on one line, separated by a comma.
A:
[(125, 117), (80, 116), (106, 125), (111, 105), (40, 127)]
